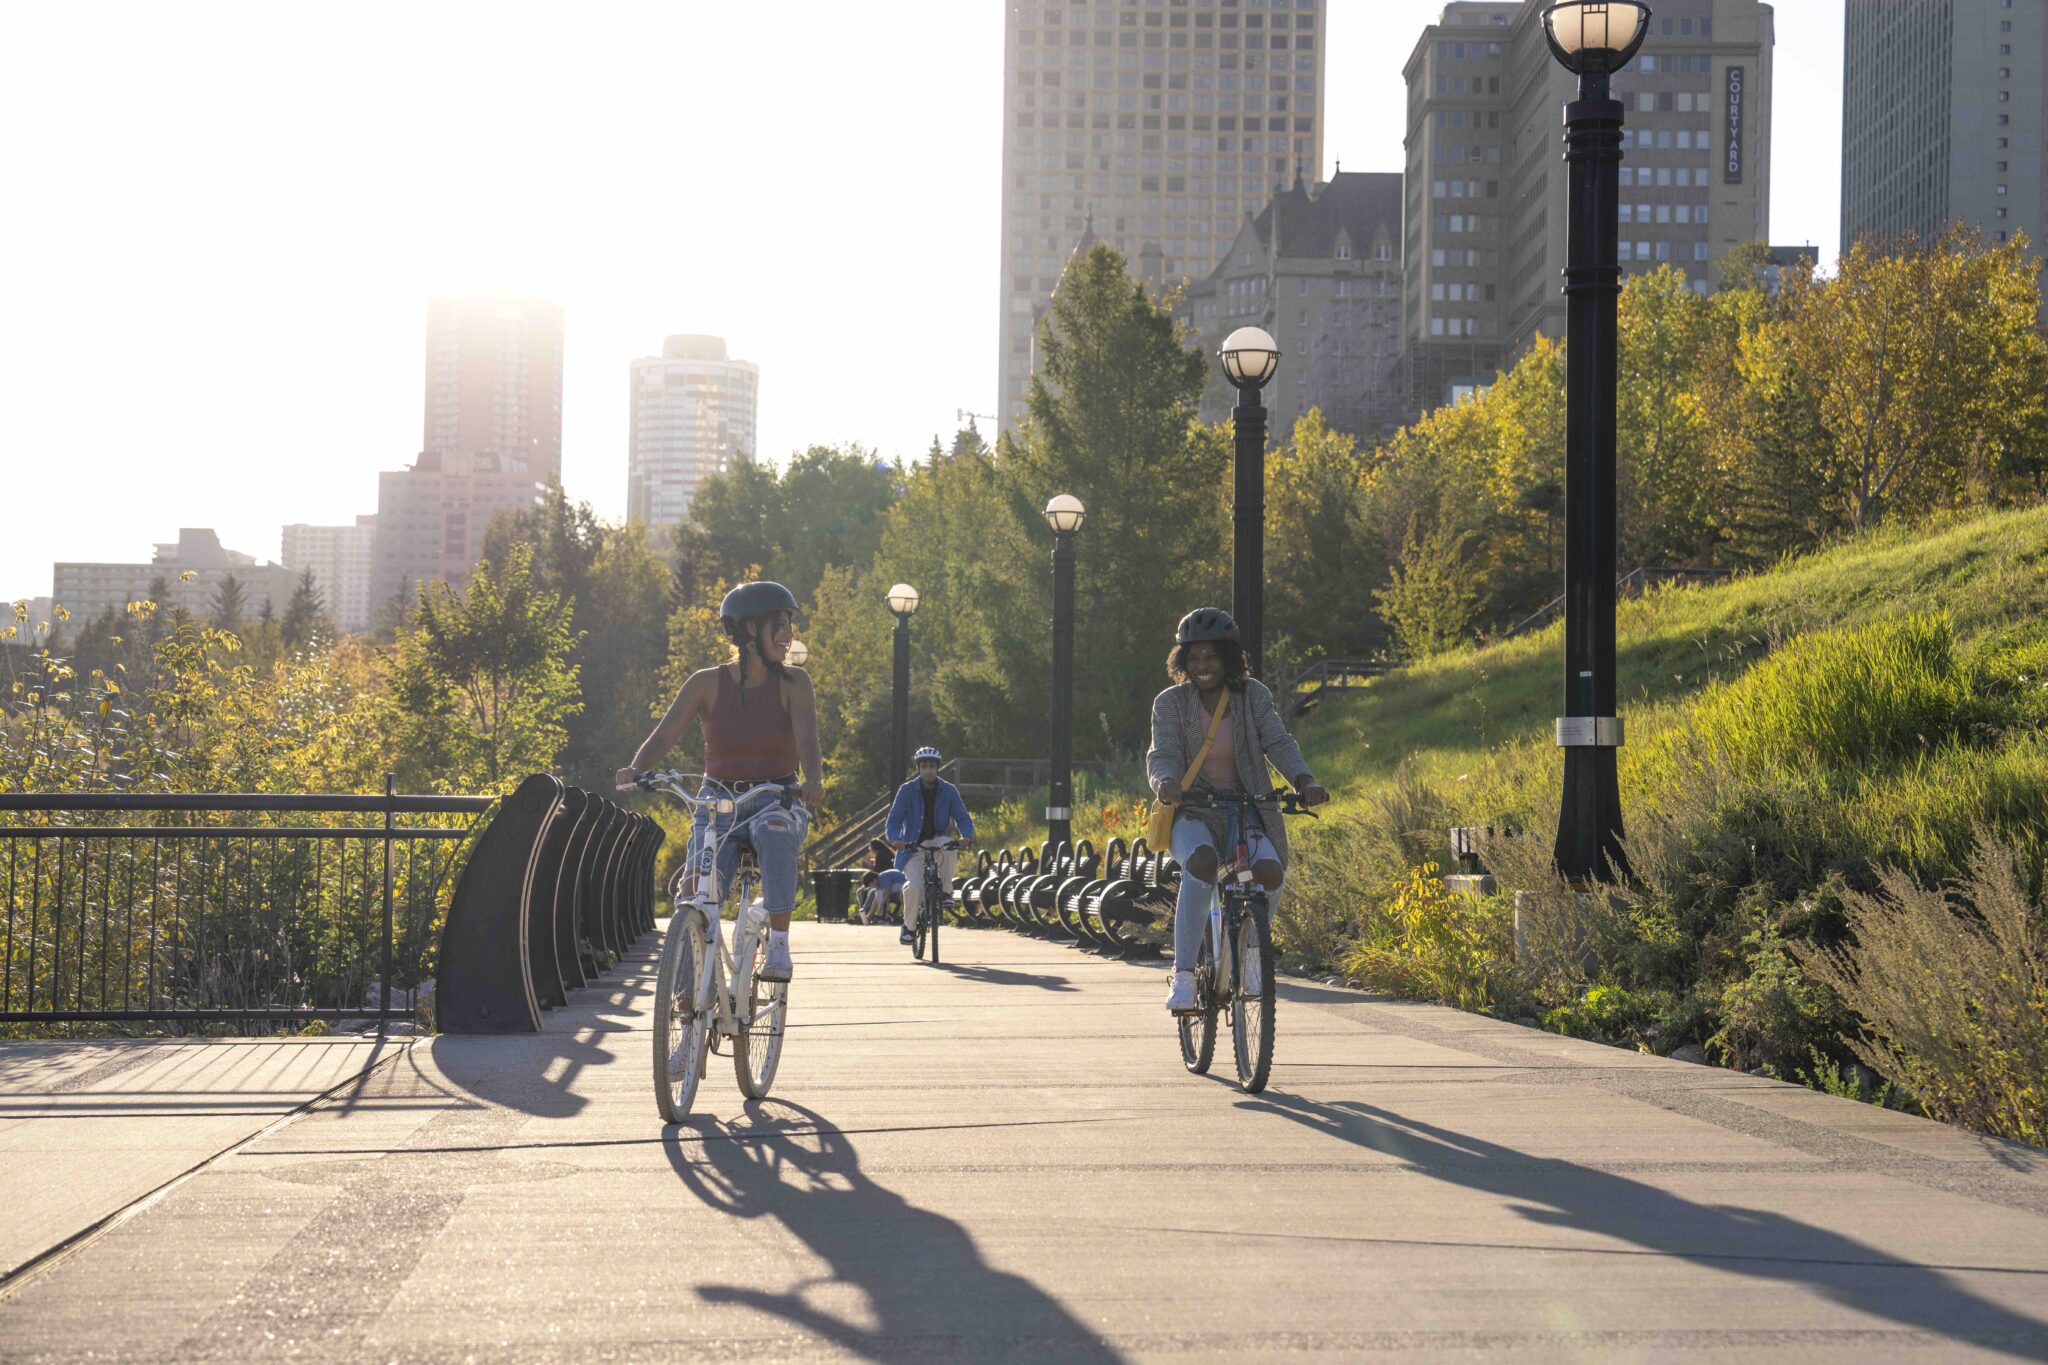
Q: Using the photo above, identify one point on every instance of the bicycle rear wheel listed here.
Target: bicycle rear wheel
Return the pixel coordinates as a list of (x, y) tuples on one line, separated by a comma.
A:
[(1198, 1030), (682, 1015), (1251, 1003), (757, 1047)]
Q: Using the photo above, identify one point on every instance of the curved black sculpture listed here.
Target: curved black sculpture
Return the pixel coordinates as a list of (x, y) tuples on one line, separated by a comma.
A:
[(486, 976)]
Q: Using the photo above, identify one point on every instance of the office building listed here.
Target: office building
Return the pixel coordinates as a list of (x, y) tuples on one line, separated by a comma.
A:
[(88, 590), (1319, 267), (1942, 113), (1163, 121), (492, 438), (694, 411), (340, 558), (1485, 211)]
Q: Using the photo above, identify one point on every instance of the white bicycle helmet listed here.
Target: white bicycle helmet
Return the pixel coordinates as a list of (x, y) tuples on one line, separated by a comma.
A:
[(927, 752)]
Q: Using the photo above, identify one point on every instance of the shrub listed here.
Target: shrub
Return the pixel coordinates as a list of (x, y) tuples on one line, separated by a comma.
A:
[(1342, 864), (1950, 984), (1426, 943), (1772, 1016)]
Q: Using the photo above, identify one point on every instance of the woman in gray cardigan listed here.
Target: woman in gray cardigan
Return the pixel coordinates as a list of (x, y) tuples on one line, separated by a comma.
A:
[(1208, 661)]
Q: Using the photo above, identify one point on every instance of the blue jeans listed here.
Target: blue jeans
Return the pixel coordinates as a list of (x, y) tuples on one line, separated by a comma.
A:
[(777, 835), (1191, 906)]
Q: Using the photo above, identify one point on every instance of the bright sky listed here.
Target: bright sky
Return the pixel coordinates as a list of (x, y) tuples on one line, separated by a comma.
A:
[(224, 221)]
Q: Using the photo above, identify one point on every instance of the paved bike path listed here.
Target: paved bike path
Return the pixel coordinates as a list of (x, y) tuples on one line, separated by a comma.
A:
[(1002, 1158)]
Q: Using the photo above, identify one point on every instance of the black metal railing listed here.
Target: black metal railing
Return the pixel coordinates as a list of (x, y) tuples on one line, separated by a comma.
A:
[(223, 908)]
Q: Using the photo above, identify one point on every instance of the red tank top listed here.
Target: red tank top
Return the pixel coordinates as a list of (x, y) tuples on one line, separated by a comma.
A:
[(748, 736)]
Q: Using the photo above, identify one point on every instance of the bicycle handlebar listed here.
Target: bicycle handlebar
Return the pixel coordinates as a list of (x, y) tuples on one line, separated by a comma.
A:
[(1290, 802)]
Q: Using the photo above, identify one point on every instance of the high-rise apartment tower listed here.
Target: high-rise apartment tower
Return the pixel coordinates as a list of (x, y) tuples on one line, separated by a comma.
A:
[(1942, 112), (492, 439), (1485, 210), (693, 412), (1163, 121)]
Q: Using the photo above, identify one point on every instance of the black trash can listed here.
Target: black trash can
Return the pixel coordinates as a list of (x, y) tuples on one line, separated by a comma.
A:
[(833, 888)]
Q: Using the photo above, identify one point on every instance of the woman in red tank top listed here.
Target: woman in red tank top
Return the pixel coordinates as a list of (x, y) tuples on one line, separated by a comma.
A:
[(760, 723)]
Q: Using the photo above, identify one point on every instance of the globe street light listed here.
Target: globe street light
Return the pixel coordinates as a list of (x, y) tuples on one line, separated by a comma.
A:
[(1249, 359), (1592, 39), (902, 601), (799, 654), (1064, 514)]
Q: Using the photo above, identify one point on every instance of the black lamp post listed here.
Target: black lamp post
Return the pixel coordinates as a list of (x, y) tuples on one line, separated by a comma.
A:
[(1064, 514), (1249, 358), (1593, 39), (902, 601)]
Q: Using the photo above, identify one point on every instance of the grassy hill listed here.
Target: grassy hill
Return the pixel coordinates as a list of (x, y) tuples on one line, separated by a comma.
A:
[(1791, 735)]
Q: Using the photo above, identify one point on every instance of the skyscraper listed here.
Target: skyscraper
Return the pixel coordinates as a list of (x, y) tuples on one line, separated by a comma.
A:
[(1485, 210), (492, 438), (1942, 113), (1162, 121), (693, 411)]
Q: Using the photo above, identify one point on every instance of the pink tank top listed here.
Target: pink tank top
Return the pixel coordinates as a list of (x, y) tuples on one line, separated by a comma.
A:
[(748, 737), (1220, 767)]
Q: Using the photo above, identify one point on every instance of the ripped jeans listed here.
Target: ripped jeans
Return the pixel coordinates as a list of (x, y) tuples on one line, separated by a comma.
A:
[(777, 835), (1191, 906)]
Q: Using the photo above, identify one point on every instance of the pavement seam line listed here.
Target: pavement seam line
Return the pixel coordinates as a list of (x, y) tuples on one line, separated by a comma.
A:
[(20, 1277)]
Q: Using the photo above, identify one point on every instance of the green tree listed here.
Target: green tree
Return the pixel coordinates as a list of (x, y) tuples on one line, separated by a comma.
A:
[(305, 615), (1667, 493), (617, 591), (1319, 575), (230, 603), (825, 507), (482, 684), (1927, 370), (1429, 600), (1112, 420)]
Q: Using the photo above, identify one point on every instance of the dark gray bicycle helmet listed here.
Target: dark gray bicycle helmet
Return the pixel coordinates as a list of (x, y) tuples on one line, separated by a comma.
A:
[(758, 598), (1205, 623)]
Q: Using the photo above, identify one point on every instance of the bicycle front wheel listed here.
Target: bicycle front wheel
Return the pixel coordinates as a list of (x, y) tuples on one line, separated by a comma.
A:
[(757, 1048), (1251, 1003), (682, 1015), (1198, 1030)]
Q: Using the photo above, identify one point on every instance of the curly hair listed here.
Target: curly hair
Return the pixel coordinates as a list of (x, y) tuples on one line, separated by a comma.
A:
[(1229, 651)]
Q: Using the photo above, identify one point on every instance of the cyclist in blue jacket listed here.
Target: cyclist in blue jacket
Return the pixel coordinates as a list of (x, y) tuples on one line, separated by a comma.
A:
[(926, 807)]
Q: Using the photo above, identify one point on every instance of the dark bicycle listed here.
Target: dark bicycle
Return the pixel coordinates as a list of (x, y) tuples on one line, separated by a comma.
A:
[(1236, 965), (938, 897)]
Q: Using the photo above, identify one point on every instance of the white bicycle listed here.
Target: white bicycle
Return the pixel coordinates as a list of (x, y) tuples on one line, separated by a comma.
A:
[(703, 992)]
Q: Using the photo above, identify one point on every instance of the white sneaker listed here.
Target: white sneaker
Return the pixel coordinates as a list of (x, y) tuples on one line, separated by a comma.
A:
[(1180, 999), (776, 967)]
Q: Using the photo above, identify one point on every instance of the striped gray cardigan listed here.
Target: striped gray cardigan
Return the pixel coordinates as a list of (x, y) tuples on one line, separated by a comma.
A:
[(1178, 726)]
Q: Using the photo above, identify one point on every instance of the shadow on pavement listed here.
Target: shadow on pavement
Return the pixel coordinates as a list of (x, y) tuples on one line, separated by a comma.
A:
[(534, 1073), (1746, 1241), (929, 1291), (999, 976)]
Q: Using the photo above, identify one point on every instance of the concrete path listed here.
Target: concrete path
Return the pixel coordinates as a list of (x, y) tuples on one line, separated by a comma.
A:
[(1002, 1158), (86, 1129)]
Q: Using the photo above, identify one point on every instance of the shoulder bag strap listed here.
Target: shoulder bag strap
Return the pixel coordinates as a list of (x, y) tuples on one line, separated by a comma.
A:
[(1215, 721)]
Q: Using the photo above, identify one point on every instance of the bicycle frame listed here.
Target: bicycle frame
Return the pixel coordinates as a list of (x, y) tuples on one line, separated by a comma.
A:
[(732, 1008)]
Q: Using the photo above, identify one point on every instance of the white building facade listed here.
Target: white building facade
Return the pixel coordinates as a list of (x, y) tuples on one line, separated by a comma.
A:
[(340, 558), (694, 410)]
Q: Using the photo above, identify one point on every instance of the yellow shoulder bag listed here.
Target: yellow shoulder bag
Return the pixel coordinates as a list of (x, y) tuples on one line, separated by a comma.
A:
[(1159, 829)]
